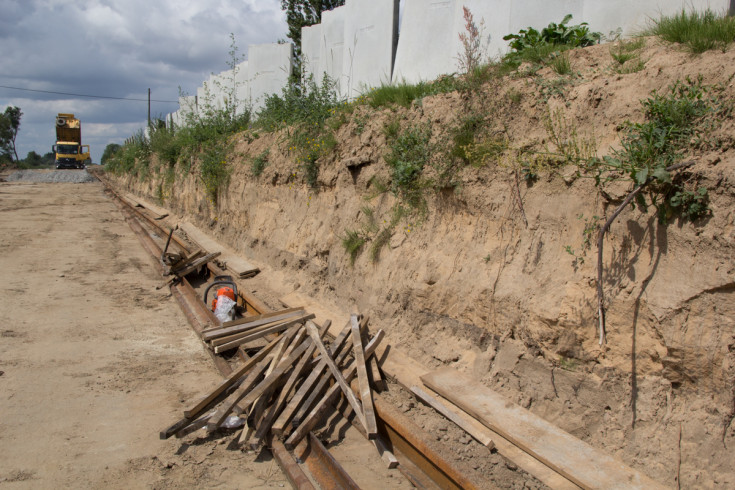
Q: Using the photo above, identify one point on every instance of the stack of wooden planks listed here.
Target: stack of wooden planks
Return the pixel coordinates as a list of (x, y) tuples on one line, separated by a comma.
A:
[(288, 386), (179, 266), (233, 334)]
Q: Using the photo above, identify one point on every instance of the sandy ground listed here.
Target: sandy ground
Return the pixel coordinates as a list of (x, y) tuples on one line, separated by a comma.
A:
[(94, 360)]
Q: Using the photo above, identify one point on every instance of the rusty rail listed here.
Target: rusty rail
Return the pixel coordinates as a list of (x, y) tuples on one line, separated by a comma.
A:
[(420, 461)]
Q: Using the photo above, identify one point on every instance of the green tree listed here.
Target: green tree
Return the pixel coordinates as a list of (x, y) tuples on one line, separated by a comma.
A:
[(33, 159), (302, 13), (9, 125), (109, 152)]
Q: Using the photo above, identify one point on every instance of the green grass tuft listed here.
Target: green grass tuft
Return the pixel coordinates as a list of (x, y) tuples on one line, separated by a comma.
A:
[(698, 31)]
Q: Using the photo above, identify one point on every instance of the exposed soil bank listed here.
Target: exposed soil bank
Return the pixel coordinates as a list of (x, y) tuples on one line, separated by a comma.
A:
[(472, 286)]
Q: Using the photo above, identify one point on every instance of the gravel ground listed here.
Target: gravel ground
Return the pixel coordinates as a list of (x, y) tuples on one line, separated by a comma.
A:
[(51, 176)]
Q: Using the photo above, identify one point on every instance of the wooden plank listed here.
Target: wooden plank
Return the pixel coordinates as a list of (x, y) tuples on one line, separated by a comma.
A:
[(385, 454), (293, 405), (376, 376), (366, 395), (318, 390), (466, 423), (585, 465), (270, 314), (275, 408), (234, 263), (259, 334), (233, 378), (195, 265), (250, 380), (246, 398), (318, 411), (356, 405), (214, 333)]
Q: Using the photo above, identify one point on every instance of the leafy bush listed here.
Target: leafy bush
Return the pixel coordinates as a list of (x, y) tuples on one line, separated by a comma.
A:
[(305, 110), (258, 164), (409, 153), (555, 35), (676, 122), (165, 144), (698, 31)]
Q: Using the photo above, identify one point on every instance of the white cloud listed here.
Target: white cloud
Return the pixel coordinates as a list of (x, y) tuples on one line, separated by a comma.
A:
[(118, 48)]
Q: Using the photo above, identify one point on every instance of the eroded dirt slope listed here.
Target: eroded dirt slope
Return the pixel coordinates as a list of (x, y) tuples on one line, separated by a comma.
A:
[(473, 286)]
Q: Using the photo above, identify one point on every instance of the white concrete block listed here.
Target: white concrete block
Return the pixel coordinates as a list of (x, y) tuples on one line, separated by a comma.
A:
[(310, 52), (270, 68), (371, 29), (242, 91), (331, 47), (425, 46)]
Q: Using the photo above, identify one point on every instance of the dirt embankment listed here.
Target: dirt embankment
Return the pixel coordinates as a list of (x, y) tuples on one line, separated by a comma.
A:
[(515, 305)]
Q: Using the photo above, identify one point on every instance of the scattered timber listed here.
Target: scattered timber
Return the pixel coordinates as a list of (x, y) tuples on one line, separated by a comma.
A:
[(583, 464), (289, 378)]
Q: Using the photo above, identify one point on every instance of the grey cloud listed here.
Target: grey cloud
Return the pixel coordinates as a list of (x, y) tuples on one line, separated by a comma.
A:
[(118, 48)]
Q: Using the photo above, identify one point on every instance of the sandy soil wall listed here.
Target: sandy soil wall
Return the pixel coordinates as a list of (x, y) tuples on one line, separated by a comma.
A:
[(473, 286)]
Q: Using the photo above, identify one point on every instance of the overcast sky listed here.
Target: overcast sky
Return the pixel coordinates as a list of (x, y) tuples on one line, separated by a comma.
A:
[(117, 48)]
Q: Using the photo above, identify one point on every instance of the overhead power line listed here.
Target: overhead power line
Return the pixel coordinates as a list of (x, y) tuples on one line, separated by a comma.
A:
[(89, 96)]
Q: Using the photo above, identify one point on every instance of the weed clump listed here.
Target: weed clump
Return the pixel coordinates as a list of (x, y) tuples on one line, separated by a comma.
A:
[(537, 46), (698, 31), (676, 122)]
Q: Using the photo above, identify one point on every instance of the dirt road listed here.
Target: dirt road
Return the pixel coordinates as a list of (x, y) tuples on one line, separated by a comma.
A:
[(94, 360)]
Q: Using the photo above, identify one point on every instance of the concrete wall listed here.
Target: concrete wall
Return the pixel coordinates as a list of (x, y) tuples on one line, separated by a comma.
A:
[(358, 46), (371, 30), (242, 90), (311, 65), (269, 67), (425, 44), (331, 47)]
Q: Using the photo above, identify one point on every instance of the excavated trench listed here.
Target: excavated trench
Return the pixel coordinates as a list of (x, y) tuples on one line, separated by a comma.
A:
[(503, 289)]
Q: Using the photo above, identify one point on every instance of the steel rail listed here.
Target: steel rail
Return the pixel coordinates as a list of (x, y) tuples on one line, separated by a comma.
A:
[(419, 460)]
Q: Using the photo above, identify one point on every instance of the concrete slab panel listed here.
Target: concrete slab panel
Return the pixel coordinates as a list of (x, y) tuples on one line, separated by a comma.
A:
[(310, 51), (371, 30), (331, 46), (631, 16), (242, 90), (270, 68), (426, 42)]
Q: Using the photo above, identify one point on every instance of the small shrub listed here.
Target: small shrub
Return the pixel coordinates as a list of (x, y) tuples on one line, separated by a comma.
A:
[(409, 153), (626, 55), (258, 164), (560, 63), (676, 122), (471, 56), (698, 31), (353, 242), (392, 128), (380, 241), (463, 135), (554, 35), (691, 205), (164, 143), (214, 171)]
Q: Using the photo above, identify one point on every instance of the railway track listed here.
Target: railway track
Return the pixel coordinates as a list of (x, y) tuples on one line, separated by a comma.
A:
[(419, 458)]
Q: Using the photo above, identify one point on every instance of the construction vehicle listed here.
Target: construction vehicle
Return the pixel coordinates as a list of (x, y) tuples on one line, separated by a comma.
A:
[(69, 151)]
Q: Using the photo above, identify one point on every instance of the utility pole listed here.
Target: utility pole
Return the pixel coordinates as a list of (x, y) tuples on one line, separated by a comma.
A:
[(149, 108)]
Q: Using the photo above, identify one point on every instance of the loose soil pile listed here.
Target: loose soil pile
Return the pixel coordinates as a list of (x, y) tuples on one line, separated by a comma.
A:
[(470, 284)]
